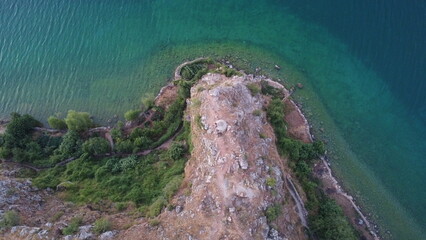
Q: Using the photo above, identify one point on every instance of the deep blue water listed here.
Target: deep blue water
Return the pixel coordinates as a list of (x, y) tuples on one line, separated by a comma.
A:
[(363, 61)]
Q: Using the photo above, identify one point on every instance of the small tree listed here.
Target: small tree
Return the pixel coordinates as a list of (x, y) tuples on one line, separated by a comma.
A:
[(70, 145), (132, 115), (96, 146), (78, 121), (148, 101), (57, 123)]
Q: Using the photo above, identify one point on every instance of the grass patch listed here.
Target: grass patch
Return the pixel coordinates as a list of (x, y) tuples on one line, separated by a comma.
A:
[(199, 122), (72, 226), (196, 103), (101, 225), (254, 88), (56, 217), (257, 113), (10, 219)]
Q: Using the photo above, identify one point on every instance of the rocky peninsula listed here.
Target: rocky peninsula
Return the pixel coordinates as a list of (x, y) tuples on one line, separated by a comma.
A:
[(235, 160)]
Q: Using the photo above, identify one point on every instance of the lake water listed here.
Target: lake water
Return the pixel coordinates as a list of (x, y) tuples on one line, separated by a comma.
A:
[(363, 64)]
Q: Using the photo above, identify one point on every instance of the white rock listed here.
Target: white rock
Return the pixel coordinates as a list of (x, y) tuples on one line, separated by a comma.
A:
[(221, 126), (108, 235)]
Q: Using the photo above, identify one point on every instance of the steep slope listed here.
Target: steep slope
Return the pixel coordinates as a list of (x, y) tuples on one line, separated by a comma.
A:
[(235, 177)]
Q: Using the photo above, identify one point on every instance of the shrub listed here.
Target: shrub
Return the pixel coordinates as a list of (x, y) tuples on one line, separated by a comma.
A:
[(71, 144), (101, 225), (199, 122), (57, 216), (148, 101), (121, 206), (72, 226), (257, 112), (154, 222), (55, 122), (254, 89), (96, 146), (271, 182), (176, 151), (125, 146), (273, 212), (10, 219), (132, 115), (78, 121), (18, 130), (127, 163), (142, 143), (271, 91)]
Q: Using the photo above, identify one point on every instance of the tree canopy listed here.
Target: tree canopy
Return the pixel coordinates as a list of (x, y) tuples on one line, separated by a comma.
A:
[(78, 121)]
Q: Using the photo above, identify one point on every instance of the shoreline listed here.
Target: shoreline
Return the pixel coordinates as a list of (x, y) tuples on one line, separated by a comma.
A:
[(329, 180), (326, 177)]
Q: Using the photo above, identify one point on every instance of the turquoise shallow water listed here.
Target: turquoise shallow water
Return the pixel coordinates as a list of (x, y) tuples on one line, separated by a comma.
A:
[(361, 61)]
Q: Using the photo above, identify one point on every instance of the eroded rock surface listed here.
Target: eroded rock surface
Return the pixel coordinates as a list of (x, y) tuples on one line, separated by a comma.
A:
[(234, 174)]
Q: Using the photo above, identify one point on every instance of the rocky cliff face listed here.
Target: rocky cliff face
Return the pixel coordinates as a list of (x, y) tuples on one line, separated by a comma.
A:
[(235, 173)]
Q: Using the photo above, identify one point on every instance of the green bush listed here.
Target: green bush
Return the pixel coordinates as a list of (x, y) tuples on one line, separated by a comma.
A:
[(132, 115), (101, 225), (330, 223), (96, 146), (177, 150), (142, 143), (55, 122), (18, 130), (148, 101), (78, 121), (72, 226), (273, 212), (271, 182), (271, 91), (10, 219), (254, 88), (125, 146), (70, 145)]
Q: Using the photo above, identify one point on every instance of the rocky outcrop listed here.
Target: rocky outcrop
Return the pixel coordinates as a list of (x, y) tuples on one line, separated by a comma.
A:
[(235, 172)]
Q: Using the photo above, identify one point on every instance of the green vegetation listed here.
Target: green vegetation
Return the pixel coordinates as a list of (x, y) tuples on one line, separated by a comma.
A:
[(257, 112), (330, 223), (199, 122), (57, 123), (271, 91), (148, 181), (273, 212), (254, 88), (271, 182), (10, 219), (96, 146), (101, 225), (72, 226), (56, 217), (148, 101), (132, 115), (78, 121), (326, 218)]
